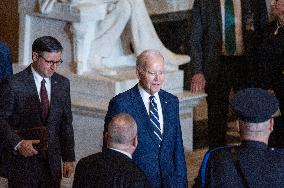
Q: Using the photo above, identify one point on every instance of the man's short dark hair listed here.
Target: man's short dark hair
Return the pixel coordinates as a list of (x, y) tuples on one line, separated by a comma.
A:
[(46, 44)]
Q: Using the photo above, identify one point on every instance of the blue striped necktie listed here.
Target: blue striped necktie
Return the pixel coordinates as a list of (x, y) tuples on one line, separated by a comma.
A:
[(154, 119)]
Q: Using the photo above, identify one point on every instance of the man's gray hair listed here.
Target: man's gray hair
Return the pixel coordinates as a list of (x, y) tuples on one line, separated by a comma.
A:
[(144, 57), (122, 129)]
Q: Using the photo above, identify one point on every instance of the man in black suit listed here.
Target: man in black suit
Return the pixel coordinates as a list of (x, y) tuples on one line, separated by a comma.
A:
[(113, 167), (221, 41), (37, 97), (269, 65)]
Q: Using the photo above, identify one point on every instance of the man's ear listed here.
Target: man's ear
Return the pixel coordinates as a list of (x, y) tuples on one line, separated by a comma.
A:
[(106, 138), (237, 125), (271, 124), (135, 142), (34, 56), (138, 74)]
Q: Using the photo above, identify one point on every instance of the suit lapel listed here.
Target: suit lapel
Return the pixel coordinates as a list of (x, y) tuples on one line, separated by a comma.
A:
[(143, 115), (246, 14), (165, 110), (55, 88), (31, 91), (217, 11)]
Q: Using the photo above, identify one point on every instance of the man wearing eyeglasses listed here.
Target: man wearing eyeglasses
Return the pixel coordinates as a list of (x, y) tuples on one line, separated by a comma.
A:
[(36, 121), (160, 152)]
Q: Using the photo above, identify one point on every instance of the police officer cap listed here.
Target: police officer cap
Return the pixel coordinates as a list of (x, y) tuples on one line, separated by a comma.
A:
[(254, 105)]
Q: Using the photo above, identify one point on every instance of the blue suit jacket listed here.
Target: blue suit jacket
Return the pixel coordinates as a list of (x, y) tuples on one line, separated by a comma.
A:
[(5, 61), (164, 166)]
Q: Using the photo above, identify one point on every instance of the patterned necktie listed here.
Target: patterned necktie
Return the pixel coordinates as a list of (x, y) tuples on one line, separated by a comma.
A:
[(44, 100), (154, 119), (230, 37)]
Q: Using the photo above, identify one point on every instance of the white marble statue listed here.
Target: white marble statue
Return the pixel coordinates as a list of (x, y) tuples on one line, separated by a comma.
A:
[(45, 6), (100, 41)]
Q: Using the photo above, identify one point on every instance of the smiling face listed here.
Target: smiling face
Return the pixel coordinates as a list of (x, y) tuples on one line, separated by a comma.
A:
[(41, 65), (151, 74)]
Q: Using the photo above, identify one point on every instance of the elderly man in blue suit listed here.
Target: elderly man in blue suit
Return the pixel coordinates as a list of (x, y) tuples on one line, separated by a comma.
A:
[(160, 152), (5, 61)]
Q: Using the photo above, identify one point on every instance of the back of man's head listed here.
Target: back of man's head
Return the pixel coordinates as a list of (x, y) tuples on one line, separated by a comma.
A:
[(254, 108), (122, 132)]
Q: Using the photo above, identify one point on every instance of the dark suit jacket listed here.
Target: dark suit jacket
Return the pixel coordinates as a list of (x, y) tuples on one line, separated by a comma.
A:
[(20, 108), (262, 167), (164, 166), (108, 168), (269, 58), (5, 61), (206, 36)]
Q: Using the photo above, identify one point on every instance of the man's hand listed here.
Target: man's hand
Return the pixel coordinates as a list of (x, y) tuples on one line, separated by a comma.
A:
[(271, 91), (68, 169), (26, 148), (198, 83)]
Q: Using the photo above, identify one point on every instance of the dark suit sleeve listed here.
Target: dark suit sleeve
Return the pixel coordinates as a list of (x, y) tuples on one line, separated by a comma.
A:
[(80, 175), (7, 133), (196, 38), (260, 14), (262, 60), (66, 128)]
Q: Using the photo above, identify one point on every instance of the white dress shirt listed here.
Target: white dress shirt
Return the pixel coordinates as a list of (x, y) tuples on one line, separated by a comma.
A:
[(145, 97), (238, 27), (123, 152), (38, 78)]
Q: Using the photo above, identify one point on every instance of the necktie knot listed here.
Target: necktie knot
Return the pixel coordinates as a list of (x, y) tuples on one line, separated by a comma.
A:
[(152, 98)]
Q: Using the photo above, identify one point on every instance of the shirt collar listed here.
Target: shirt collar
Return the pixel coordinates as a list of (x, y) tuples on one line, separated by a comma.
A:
[(145, 96), (123, 152), (38, 78), (254, 144)]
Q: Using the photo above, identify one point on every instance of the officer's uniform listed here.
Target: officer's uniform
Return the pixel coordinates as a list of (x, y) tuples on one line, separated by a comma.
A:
[(262, 167), (259, 166)]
